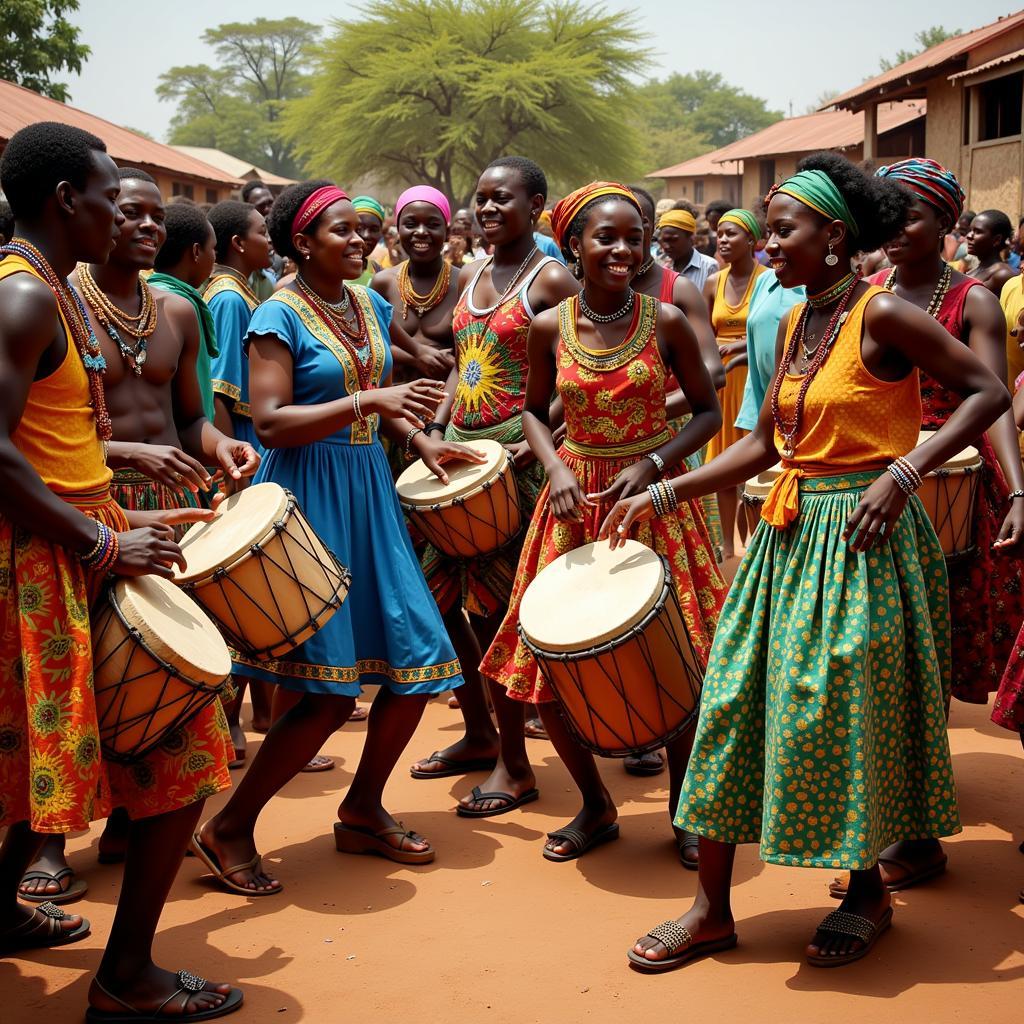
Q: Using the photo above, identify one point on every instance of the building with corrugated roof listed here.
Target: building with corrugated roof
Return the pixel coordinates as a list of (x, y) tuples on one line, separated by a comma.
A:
[(236, 167)]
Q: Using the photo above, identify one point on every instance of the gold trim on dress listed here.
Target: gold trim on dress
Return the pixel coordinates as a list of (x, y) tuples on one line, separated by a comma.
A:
[(617, 451), (352, 674), (614, 358), (225, 282)]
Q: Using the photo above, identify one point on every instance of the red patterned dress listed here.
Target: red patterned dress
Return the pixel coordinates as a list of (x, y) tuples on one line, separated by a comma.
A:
[(614, 414), (986, 590)]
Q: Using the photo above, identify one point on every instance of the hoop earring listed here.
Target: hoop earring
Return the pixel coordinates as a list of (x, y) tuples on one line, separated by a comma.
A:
[(831, 259)]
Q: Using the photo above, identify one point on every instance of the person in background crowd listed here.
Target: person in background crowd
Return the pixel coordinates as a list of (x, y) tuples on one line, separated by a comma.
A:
[(989, 234), (371, 230), (6, 222), (676, 229), (262, 281)]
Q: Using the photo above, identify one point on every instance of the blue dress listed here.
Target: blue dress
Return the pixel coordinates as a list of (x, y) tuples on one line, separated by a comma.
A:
[(232, 309), (389, 631)]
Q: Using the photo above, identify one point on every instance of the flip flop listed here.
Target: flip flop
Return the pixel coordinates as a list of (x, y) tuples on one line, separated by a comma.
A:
[(673, 935), (914, 876), (534, 729), (209, 858), (452, 767), (188, 984), (512, 803), (358, 839), (853, 926), (41, 931), (75, 891), (360, 713), (581, 840), (319, 763), (652, 763), (690, 841)]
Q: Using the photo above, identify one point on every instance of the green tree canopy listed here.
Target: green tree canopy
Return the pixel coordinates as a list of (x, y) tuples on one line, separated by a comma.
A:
[(237, 106), (926, 39), (37, 41), (420, 91)]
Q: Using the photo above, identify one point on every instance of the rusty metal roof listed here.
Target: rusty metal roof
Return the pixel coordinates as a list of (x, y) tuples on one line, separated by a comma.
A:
[(20, 107), (705, 165), (988, 65), (911, 73)]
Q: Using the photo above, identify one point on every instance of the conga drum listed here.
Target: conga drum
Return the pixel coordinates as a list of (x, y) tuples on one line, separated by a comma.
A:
[(609, 637), (476, 512), (261, 573), (755, 492), (949, 495), (158, 660)]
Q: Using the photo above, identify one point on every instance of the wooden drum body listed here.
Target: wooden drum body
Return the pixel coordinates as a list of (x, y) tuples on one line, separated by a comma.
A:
[(949, 495), (609, 637), (261, 572), (755, 492), (158, 661), (475, 513)]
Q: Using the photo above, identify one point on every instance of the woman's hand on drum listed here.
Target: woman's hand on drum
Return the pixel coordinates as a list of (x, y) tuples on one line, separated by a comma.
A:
[(149, 550), (521, 454), (167, 465), (236, 458), (632, 480), (417, 401), (172, 517), (872, 521), (1012, 531), (623, 515), (565, 496), (436, 453)]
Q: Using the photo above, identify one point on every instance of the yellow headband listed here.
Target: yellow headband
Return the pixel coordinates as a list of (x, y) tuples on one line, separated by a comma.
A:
[(678, 219)]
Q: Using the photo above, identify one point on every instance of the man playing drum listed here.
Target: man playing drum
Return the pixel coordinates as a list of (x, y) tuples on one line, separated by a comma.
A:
[(60, 533)]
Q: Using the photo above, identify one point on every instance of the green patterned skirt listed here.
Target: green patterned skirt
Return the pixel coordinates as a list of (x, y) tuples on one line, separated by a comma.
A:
[(822, 729)]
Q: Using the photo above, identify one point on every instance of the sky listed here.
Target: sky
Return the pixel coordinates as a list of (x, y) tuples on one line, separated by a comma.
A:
[(788, 55)]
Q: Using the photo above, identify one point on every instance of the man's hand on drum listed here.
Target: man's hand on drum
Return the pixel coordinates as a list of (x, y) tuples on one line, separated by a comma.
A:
[(872, 521), (1012, 531), (566, 497), (521, 454), (435, 453), (171, 517), (151, 549), (237, 459), (623, 515), (417, 401), (161, 462), (632, 480)]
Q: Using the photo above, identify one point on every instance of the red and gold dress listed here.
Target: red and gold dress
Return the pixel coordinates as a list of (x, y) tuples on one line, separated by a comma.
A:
[(614, 414)]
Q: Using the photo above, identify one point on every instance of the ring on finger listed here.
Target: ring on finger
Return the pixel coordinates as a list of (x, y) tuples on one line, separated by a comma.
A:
[(620, 528), (177, 478)]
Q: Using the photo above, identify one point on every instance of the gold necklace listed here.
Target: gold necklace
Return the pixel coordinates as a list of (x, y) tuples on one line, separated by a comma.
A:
[(422, 303)]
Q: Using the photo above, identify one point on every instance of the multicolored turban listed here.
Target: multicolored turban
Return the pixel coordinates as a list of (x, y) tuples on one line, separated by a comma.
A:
[(745, 219), (566, 209), (681, 219), (367, 204), (929, 181)]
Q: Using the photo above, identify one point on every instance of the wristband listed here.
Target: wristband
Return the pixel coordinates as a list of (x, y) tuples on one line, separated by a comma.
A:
[(431, 427), (658, 461), (407, 443), (1015, 494), (360, 418)]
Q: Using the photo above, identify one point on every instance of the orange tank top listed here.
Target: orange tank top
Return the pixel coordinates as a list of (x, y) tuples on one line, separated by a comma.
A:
[(57, 430), (852, 420), (729, 321)]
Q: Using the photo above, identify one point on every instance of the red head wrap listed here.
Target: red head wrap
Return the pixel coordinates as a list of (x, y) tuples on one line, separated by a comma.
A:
[(565, 210), (317, 202)]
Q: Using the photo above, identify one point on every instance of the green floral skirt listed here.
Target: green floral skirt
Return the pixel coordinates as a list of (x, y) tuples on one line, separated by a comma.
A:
[(822, 729)]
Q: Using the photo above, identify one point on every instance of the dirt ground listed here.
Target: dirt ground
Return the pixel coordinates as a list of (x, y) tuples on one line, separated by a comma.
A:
[(491, 932)]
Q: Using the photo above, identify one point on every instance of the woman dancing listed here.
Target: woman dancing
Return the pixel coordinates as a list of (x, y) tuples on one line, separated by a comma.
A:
[(311, 342), (608, 352), (822, 729)]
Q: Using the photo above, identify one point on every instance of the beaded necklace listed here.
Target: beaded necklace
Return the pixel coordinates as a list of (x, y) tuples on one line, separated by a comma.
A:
[(827, 297), (112, 317), (941, 288), (789, 431), (606, 318), (333, 318), (73, 311), (422, 303), (638, 334)]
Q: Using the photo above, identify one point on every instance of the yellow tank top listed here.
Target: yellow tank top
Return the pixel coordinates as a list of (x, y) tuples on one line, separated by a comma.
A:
[(729, 321), (852, 420), (57, 431)]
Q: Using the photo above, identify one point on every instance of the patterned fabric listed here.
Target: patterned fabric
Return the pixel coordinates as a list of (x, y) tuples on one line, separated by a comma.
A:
[(52, 773), (822, 729), (614, 402), (986, 588), (232, 308), (139, 493)]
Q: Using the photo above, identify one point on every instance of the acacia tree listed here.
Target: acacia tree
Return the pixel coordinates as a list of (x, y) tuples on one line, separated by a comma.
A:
[(926, 39), (38, 40), (237, 106), (419, 91)]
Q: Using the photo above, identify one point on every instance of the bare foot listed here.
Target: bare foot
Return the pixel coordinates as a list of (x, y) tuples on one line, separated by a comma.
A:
[(231, 850), (500, 780), (150, 992), (699, 922)]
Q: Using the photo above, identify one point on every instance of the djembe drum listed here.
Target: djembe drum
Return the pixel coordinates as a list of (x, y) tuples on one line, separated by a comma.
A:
[(754, 493), (949, 495)]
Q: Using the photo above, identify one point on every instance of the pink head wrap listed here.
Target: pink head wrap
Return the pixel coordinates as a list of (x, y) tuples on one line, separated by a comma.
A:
[(315, 205), (424, 194)]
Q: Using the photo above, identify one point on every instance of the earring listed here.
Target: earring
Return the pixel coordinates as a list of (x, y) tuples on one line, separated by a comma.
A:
[(305, 255), (831, 259), (577, 267)]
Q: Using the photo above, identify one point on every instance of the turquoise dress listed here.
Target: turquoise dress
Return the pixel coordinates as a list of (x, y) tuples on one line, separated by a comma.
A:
[(389, 631)]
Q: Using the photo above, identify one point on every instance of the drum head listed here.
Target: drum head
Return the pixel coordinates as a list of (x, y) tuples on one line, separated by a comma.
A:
[(173, 627), (242, 520), (970, 456), (761, 484), (418, 485), (591, 595)]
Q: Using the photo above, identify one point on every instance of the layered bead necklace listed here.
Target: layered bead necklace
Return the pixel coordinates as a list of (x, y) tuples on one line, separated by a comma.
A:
[(77, 319), (606, 318), (115, 320), (351, 334), (941, 288), (422, 303), (813, 360)]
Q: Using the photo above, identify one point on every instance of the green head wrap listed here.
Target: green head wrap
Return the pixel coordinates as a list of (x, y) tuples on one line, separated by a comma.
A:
[(745, 219), (817, 190), (367, 204)]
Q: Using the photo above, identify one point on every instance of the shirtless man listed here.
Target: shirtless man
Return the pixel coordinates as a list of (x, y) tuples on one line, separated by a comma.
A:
[(990, 232)]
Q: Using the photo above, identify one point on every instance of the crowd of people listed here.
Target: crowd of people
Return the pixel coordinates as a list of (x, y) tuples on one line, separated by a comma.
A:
[(157, 356)]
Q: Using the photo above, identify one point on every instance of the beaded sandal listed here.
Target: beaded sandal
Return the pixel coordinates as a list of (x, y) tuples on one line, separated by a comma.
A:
[(40, 931), (188, 985), (851, 926), (676, 938)]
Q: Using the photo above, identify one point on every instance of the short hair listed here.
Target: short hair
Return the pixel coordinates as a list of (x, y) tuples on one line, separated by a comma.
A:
[(134, 174), (999, 223), (229, 218), (682, 204), (251, 186), (39, 157), (534, 179), (645, 198), (719, 206), (186, 226), (282, 215), (6, 220)]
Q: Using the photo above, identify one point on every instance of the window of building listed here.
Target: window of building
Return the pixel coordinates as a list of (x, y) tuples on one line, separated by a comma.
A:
[(999, 107), (698, 191), (211, 195), (178, 189), (767, 174)]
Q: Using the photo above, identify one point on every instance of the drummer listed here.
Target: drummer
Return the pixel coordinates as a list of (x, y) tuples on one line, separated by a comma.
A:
[(60, 533), (498, 297), (608, 340)]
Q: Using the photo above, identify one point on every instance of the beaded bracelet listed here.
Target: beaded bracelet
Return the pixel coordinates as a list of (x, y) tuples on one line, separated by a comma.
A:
[(904, 482), (407, 443), (93, 553), (104, 553), (911, 471), (656, 502), (657, 460), (671, 501), (1015, 494), (355, 406)]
